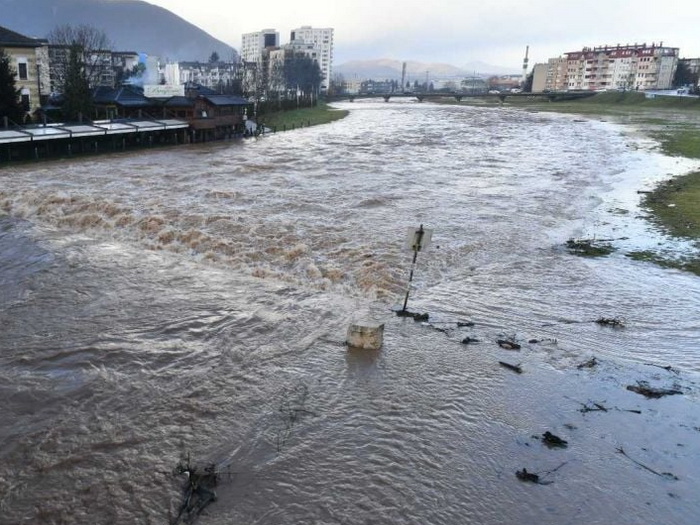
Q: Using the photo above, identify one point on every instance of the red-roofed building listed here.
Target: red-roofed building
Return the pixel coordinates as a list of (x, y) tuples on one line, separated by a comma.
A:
[(638, 66)]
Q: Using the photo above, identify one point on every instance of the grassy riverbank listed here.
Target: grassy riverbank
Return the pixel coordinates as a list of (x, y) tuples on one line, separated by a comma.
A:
[(302, 117), (675, 122)]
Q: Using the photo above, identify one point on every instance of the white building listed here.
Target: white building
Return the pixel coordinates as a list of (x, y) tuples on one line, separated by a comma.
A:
[(322, 39), (252, 44)]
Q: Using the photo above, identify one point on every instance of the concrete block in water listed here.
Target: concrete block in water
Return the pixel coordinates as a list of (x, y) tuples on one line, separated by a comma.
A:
[(367, 336)]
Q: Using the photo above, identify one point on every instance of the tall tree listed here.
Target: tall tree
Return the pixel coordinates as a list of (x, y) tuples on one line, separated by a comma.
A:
[(10, 105), (214, 57), (303, 75), (684, 76), (94, 52), (77, 98)]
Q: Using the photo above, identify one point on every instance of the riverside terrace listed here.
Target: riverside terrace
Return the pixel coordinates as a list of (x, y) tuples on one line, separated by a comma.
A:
[(52, 140)]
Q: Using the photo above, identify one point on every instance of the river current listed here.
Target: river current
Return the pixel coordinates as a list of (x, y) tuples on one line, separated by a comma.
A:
[(193, 302)]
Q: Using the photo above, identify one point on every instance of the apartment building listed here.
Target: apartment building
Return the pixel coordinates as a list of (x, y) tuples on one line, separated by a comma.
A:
[(252, 44), (322, 38), (30, 60), (638, 66), (219, 76)]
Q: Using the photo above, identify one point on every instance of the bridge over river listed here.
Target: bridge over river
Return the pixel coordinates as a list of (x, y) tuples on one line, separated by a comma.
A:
[(550, 95)]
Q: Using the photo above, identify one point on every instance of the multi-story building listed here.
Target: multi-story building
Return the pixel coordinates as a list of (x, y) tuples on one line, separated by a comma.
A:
[(219, 76), (555, 74), (322, 38), (30, 60), (539, 78), (637, 66), (252, 44), (103, 68)]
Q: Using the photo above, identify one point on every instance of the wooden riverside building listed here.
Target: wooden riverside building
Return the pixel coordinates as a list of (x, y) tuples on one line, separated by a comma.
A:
[(124, 118)]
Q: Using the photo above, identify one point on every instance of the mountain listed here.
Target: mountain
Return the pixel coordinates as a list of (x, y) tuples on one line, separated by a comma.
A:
[(132, 25), (387, 69)]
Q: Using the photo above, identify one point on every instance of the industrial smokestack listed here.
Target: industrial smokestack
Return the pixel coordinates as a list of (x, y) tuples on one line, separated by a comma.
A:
[(525, 60)]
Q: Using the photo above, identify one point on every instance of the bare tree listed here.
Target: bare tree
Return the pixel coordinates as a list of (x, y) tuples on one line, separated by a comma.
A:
[(95, 53)]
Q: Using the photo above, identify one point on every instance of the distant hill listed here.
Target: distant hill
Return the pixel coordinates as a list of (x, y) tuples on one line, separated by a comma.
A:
[(387, 69), (132, 25)]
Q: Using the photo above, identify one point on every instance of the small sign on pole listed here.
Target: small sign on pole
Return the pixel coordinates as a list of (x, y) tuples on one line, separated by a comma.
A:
[(416, 240)]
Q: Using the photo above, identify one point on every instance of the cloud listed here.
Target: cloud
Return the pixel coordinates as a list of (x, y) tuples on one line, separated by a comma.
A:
[(456, 31)]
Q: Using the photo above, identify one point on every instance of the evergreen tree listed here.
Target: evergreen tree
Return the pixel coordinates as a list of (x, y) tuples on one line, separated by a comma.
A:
[(683, 75), (303, 74), (10, 105), (77, 99)]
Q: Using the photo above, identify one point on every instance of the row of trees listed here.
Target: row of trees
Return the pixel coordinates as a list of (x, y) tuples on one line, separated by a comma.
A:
[(284, 84)]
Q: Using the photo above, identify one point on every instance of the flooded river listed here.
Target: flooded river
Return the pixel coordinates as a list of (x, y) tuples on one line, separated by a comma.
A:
[(193, 302)]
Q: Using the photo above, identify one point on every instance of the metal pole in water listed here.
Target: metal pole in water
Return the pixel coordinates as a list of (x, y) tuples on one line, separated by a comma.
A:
[(416, 249)]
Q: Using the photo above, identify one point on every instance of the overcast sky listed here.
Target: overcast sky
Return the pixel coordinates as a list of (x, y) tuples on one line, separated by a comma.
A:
[(455, 31)]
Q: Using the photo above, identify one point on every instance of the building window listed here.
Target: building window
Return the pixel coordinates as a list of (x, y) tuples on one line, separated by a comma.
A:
[(22, 70)]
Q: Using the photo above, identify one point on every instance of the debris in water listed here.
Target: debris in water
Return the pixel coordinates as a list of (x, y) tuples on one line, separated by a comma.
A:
[(598, 407), (469, 340), (588, 364), (532, 477), (292, 408), (545, 340), (589, 247), (662, 474), (198, 492), (524, 475), (642, 387), (508, 344), (615, 322), (514, 368), (553, 441), (461, 324), (416, 316), (593, 407), (439, 328), (667, 368)]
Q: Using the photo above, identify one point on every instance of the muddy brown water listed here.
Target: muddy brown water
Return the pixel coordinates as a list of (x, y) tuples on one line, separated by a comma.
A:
[(194, 301)]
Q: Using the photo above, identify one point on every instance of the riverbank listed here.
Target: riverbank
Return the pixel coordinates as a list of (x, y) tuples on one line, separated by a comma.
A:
[(322, 113), (674, 206)]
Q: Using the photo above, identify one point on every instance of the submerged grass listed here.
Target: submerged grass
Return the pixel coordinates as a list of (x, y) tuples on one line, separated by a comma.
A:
[(302, 117), (674, 206)]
